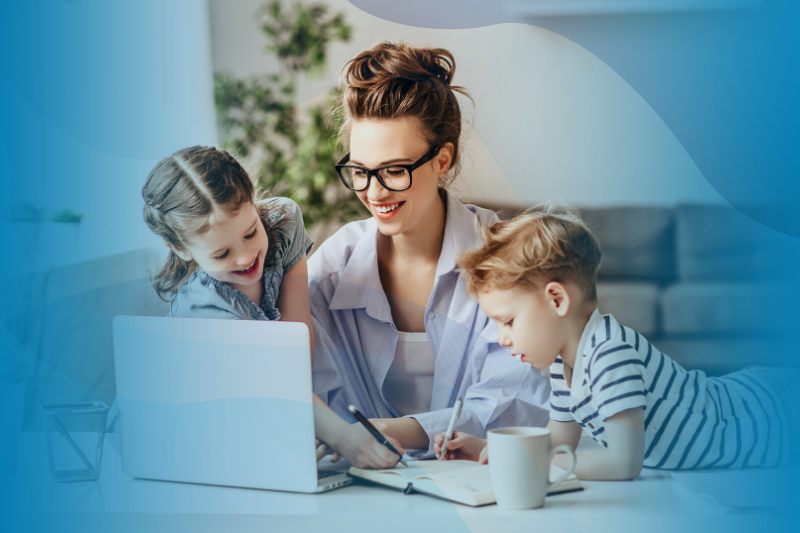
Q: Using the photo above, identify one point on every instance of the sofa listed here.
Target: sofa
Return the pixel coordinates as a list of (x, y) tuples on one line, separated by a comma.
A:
[(695, 280), (692, 279)]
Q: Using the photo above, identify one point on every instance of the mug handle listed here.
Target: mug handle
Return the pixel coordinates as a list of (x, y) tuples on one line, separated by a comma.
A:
[(571, 453)]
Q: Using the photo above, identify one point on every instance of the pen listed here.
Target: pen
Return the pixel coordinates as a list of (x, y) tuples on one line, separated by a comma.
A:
[(375, 433), (449, 435)]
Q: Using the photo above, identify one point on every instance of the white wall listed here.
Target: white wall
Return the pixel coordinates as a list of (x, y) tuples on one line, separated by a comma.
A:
[(552, 120), (122, 86)]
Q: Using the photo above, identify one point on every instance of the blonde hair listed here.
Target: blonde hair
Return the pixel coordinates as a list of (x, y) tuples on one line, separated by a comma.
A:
[(549, 242)]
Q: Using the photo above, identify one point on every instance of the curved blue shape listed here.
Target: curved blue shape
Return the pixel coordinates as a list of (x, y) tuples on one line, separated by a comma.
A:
[(723, 81), (439, 14)]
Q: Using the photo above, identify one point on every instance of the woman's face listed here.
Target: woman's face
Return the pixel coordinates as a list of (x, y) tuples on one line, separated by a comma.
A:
[(379, 143)]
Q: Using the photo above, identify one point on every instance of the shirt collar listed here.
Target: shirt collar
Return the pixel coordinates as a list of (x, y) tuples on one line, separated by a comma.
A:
[(359, 274), (359, 284), (585, 344), (461, 225)]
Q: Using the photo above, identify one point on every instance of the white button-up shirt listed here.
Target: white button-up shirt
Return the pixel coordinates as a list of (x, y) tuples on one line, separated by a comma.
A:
[(356, 338)]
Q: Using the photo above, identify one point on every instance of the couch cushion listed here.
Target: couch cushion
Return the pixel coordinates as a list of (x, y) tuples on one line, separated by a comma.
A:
[(720, 242), (633, 304), (636, 241), (722, 356), (726, 308)]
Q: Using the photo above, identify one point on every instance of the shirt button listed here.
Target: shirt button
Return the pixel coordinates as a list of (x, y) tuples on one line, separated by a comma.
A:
[(430, 314)]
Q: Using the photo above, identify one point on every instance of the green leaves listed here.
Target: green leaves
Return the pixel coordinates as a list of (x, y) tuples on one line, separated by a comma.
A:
[(300, 35), (258, 116)]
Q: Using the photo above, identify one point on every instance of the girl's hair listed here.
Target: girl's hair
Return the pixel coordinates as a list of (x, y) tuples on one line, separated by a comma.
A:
[(394, 80), (184, 195), (549, 242)]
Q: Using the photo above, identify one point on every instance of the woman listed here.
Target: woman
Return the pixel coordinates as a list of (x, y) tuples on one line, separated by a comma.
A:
[(396, 334)]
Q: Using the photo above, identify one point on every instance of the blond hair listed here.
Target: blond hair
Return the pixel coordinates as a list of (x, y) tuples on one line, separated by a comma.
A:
[(549, 242)]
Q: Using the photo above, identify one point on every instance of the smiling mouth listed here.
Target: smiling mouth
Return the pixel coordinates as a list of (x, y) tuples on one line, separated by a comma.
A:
[(388, 208), (248, 270)]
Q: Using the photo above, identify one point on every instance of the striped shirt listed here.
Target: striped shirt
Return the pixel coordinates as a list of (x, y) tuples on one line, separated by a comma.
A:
[(356, 339), (691, 421)]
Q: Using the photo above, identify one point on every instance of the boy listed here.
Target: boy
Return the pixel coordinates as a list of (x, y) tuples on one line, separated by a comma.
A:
[(535, 276)]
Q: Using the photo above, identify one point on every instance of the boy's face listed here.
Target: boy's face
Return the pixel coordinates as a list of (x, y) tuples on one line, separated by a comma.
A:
[(528, 321), (233, 249)]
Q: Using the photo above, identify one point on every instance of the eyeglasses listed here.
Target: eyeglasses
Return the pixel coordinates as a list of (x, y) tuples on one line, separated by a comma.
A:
[(393, 177)]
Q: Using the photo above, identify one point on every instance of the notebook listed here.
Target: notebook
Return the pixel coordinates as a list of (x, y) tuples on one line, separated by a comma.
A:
[(464, 482)]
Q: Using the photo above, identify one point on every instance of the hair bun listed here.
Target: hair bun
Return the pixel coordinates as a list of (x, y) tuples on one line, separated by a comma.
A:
[(399, 61), (398, 81)]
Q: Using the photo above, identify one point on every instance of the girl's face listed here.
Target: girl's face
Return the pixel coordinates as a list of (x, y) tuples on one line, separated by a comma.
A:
[(233, 249), (379, 143)]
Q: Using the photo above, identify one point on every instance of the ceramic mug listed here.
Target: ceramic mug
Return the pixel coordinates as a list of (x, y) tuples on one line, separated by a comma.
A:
[(519, 463)]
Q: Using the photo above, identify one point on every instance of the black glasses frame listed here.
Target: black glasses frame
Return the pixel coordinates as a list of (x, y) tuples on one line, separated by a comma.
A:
[(376, 171)]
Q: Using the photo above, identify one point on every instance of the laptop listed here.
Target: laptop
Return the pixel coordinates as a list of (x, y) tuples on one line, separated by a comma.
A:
[(220, 402)]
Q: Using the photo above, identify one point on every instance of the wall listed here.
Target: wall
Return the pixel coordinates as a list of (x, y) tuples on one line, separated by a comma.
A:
[(552, 120), (95, 95)]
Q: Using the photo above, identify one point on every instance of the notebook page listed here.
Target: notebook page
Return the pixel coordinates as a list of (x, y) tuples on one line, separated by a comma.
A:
[(465, 476)]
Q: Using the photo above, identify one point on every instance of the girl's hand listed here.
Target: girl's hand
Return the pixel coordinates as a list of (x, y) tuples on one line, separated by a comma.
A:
[(462, 446), (361, 449)]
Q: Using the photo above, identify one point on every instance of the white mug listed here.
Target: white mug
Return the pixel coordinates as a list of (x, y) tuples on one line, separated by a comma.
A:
[(519, 463)]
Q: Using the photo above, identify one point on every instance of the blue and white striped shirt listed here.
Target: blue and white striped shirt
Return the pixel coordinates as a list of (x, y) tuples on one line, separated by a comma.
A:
[(691, 421), (356, 338)]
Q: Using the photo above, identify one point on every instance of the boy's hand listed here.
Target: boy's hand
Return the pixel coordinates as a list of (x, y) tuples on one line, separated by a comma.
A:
[(461, 446), (484, 458)]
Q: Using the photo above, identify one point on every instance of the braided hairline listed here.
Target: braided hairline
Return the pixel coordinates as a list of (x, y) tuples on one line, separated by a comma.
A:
[(195, 178)]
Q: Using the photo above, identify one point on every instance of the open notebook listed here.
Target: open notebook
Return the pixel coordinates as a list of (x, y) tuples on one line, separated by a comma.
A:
[(465, 482)]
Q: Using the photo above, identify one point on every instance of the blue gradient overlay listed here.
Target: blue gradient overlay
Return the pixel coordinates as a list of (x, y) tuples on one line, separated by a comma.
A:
[(94, 93)]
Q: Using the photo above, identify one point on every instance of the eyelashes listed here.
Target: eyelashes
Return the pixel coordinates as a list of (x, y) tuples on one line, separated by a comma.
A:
[(248, 236)]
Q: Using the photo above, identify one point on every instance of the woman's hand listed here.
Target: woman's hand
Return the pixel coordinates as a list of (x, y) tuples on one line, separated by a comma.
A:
[(361, 449), (462, 446), (323, 450)]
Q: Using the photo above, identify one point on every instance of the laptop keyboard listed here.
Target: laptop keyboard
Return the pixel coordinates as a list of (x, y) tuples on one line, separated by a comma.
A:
[(322, 474)]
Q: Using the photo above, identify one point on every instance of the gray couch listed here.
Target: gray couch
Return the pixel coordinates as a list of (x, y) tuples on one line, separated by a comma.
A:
[(694, 280), (691, 279)]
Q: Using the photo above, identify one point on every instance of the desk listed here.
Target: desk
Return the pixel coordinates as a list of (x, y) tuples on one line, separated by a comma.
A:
[(653, 503)]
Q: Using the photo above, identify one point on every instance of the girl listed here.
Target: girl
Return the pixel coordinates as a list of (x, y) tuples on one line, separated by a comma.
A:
[(235, 255), (396, 333)]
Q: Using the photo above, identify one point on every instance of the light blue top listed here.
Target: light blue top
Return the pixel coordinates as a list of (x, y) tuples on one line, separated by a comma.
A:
[(205, 297), (356, 338)]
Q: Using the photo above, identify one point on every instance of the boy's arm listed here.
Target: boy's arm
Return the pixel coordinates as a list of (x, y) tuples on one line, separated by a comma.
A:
[(568, 433), (623, 458)]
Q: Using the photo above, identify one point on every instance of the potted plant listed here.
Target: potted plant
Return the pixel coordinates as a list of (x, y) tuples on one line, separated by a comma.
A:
[(258, 117)]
